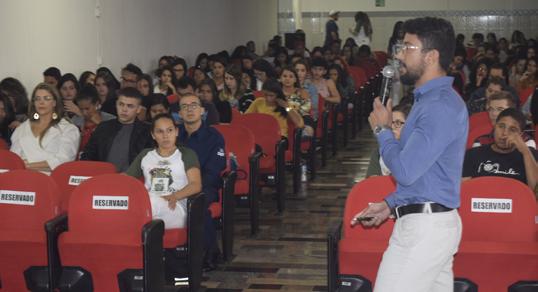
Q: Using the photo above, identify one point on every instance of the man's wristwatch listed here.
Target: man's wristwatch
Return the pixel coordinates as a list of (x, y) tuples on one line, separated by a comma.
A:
[(379, 129)]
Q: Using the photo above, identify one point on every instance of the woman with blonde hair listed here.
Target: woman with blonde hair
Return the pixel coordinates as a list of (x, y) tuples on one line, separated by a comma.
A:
[(47, 139)]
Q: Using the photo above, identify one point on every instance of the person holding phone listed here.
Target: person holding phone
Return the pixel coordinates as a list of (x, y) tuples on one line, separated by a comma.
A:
[(426, 163)]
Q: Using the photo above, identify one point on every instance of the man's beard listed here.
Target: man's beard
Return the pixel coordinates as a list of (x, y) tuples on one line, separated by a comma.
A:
[(410, 77)]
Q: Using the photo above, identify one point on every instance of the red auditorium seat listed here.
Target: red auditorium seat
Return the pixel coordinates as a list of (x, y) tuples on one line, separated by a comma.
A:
[(381, 57), (236, 114), (10, 161), (499, 243), (70, 174), (358, 75), (3, 144), (293, 153), (112, 242), (477, 131), (478, 119), (23, 244), (326, 128), (240, 141), (266, 131), (357, 251)]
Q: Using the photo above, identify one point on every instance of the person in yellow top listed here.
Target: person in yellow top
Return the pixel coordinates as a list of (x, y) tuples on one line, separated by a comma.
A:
[(274, 103)]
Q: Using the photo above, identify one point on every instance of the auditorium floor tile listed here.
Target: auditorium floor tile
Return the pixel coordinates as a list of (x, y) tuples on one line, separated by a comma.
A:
[(289, 252)]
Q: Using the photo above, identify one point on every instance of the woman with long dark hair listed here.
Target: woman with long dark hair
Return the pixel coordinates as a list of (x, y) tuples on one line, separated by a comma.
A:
[(362, 32)]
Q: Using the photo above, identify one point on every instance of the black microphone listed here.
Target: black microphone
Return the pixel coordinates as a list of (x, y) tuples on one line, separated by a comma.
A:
[(386, 83)]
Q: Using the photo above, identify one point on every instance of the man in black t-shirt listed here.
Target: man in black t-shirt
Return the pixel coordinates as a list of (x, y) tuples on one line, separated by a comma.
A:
[(331, 28), (508, 156)]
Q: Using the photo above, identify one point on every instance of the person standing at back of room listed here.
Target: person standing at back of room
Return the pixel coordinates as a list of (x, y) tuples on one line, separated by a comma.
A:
[(426, 163), (331, 28)]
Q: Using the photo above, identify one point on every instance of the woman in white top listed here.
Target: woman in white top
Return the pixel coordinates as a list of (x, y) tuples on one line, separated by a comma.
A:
[(171, 173), (46, 139), (362, 33)]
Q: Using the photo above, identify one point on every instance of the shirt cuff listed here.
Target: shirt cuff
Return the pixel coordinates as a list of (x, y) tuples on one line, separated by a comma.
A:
[(383, 138), (390, 200)]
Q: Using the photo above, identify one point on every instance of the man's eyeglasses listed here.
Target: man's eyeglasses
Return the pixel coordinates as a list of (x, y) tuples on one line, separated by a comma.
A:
[(189, 106), (495, 109), (397, 124), (402, 48)]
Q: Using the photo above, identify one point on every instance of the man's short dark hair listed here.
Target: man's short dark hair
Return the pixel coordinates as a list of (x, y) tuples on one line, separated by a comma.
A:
[(130, 92), (184, 83), (496, 80), (501, 67), (133, 69), (435, 34), (264, 66), (515, 114), (53, 72)]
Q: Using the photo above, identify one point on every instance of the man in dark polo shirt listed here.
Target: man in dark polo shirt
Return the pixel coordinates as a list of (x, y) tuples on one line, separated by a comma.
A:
[(208, 144), (119, 141)]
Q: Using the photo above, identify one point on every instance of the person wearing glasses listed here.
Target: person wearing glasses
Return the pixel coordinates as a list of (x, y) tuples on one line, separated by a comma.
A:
[(208, 144), (496, 103), (426, 164), (508, 156), (120, 140), (130, 75), (399, 115), (46, 139)]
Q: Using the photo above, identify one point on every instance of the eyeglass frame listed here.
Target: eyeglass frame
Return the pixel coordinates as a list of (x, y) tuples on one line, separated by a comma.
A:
[(403, 47), (189, 106)]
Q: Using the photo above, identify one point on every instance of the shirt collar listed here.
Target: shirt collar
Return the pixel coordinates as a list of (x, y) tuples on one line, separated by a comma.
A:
[(184, 135), (431, 85)]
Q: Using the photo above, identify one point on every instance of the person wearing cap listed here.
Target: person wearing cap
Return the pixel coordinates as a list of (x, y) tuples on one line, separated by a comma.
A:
[(331, 28)]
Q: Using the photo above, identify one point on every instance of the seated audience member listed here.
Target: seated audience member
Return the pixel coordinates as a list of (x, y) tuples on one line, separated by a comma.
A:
[(52, 76), (344, 83), (107, 86), (87, 77), (186, 86), (326, 87), (69, 87), (46, 139), (90, 106), (207, 91), (171, 173), (119, 141), (208, 144), (199, 75), (274, 103), (158, 104), (302, 69), (376, 166), (130, 75), (517, 70), (234, 92), (179, 66), (298, 98), (145, 86), (165, 85), (501, 71), (477, 101), (7, 116), (263, 70), (496, 103), (508, 156), (478, 77), (217, 71), (18, 97), (528, 80)]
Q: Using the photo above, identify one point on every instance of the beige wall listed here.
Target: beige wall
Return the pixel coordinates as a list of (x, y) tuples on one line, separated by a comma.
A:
[(67, 34)]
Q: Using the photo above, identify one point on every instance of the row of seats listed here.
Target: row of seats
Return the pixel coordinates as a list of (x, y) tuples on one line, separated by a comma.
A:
[(499, 245)]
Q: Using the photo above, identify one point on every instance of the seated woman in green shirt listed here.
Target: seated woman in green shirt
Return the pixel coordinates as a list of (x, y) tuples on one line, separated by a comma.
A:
[(171, 173)]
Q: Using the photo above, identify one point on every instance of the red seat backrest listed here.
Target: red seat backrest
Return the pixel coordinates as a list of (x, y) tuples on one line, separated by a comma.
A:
[(497, 209), (478, 119), (381, 57), (359, 76), (3, 144), (10, 161), (28, 199), (70, 174), (236, 114), (239, 140), (370, 190), (265, 129), (477, 131)]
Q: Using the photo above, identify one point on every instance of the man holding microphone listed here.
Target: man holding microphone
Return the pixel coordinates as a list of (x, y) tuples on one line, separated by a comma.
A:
[(426, 163)]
